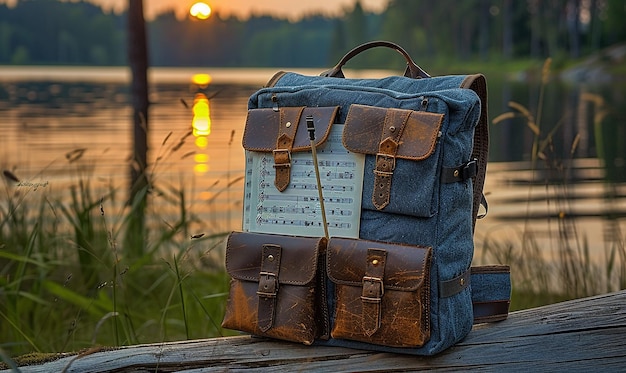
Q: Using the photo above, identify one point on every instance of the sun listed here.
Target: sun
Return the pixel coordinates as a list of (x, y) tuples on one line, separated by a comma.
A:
[(200, 10)]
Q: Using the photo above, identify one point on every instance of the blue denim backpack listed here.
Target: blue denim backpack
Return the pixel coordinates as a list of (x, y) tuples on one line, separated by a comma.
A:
[(425, 145)]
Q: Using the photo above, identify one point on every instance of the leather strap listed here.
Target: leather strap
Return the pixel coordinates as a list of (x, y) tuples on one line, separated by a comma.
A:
[(268, 286), (289, 119), (411, 71), (373, 290), (478, 84), (454, 286), (460, 173), (395, 121)]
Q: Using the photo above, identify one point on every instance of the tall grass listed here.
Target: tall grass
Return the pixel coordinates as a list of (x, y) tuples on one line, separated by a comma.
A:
[(67, 281), (574, 270)]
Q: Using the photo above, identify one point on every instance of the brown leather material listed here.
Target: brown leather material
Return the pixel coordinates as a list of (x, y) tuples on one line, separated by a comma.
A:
[(412, 70), (287, 128), (454, 286), (283, 131), (491, 268), (364, 130), (275, 297), (268, 285), (261, 131), (492, 311), (393, 126), (373, 290), (382, 292)]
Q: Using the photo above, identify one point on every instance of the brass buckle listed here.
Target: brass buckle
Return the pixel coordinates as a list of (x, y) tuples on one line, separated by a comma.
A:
[(387, 157), (268, 285), (376, 293), (288, 164)]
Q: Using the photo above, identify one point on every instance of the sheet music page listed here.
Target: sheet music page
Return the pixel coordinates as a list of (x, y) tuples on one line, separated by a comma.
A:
[(297, 211)]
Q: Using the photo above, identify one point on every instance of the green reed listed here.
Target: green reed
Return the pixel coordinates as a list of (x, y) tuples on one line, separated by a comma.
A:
[(69, 281), (572, 272)]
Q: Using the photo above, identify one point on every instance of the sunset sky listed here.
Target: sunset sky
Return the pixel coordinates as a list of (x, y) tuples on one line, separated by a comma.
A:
[(292, 9)]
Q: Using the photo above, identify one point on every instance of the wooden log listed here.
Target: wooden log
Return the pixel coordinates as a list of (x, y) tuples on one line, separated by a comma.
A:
[(580, 335)]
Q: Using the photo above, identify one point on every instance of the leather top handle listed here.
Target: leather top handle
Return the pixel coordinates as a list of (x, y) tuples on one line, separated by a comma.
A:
[(412, 70)]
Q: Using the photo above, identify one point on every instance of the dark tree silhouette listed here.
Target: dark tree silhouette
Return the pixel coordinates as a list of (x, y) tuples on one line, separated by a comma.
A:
[(138, 61)]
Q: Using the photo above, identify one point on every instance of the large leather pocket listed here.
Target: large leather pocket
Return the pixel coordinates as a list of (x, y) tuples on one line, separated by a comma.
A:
[(275, 290), (381, 292)]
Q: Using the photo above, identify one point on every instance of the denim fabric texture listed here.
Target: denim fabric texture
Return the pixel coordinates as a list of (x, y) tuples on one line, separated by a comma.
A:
[(487, 287), (422, 210)]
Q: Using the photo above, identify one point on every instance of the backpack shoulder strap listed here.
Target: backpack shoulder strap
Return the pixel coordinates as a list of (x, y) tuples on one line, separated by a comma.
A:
[(478, 84)]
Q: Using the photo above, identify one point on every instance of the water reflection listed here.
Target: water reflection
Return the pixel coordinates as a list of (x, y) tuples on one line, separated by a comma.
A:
[(201, 122), (44, 120)]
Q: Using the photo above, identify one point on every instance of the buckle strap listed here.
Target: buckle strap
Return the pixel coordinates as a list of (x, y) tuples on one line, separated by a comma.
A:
[(268, 286), (287, 127), (463, 172), (454, 286), (373, 290), (395, 121)]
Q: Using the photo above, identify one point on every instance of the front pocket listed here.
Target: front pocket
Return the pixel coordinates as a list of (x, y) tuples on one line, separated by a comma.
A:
[(382, 292), (274, 286), (401, 164)]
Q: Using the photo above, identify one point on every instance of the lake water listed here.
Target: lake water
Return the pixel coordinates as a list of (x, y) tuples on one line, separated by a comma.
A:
[(51, 116)]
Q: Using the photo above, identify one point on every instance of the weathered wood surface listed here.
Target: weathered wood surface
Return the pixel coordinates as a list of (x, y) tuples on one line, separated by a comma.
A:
[(585, 335)]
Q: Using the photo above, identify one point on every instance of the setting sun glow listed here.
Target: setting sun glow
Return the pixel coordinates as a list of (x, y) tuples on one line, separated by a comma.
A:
[(200, 10)]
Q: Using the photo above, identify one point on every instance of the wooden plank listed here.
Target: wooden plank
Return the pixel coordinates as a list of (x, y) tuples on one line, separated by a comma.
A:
[(579, 335)]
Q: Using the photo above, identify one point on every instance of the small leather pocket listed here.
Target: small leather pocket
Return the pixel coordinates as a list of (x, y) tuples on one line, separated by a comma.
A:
[(381, 291), (283, 131), (275, 290)]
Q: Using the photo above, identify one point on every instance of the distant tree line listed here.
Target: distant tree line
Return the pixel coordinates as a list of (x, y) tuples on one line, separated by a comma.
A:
[(80, 33)]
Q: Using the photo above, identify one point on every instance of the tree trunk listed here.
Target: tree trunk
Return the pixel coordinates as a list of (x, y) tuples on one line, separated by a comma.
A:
[(138, 61)]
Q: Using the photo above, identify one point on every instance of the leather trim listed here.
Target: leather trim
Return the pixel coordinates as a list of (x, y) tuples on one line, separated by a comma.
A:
[(454, 286), (461, 173), (496, 268), (492, 311)]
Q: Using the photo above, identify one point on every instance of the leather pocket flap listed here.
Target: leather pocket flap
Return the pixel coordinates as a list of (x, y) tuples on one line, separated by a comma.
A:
[(298, 262), (365, 126), (263, 127), (405, 266)]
